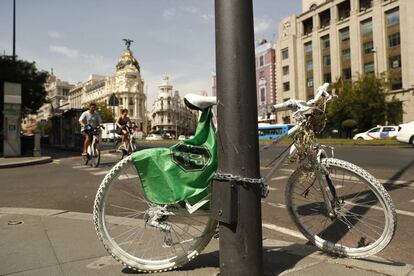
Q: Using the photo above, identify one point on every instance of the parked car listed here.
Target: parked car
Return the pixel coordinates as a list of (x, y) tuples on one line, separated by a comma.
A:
[(181, 137), (108, 133), (154, 137), (378, 132), (406, 133)]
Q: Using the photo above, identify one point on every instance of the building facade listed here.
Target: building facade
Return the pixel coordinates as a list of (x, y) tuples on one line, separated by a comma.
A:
[(345, 38), (170, 114), (127, 85), (265, 78)]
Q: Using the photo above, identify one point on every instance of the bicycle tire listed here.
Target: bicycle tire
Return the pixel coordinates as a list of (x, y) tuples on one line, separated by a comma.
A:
[(96, 158), (104, 219), (335, 238)]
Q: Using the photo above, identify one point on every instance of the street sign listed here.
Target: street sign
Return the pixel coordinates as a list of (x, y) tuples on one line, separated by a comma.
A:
[(113, 100)]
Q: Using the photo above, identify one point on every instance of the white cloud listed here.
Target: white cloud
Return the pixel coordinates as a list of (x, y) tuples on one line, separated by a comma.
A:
[(169, 13), (68, 52), (261, 24), (54, 34)]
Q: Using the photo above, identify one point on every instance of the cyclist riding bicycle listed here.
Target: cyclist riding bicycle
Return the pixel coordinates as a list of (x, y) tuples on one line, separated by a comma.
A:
[(89, 118), (121, 124)]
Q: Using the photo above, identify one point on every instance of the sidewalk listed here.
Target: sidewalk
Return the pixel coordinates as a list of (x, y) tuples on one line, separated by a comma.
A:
[(57, 242), (11, 162)]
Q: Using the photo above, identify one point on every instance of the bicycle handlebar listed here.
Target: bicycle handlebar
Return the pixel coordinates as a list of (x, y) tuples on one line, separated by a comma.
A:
[(302, 105)]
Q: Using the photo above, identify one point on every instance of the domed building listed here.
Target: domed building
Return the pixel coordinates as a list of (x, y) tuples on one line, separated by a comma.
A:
[(127, 84), (170, 114)]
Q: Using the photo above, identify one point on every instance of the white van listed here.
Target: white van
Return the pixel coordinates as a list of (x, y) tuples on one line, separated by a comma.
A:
[(108, 132), (406, 133)]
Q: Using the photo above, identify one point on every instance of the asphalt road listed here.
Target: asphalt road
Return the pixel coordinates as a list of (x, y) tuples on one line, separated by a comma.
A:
[(65, 184)]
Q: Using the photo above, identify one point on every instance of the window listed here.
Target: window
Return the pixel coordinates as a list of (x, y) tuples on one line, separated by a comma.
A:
[(261, 74), (327, 78), (286, 86), (309, 82), (307, 26), (261, 61), (347, 73), (393, 17), (365, 4), (263, 94), (377, 129), (395, 62), (344, 34), (369, 67), (368, 46), (388, 129), (285, 53), (394, 40), (327, 60), (396, 84), (346, 54), (325, 42), (309, 65), (366, 26), (308, 48), (285, 70)]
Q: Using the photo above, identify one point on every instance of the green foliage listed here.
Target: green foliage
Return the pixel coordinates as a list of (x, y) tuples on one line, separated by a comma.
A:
[(104, 111), (394, 112), (46, 128), (32, 80), (362, 102), (349, 123)]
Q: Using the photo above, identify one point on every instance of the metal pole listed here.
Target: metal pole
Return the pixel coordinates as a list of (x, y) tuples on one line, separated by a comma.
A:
[(14, 30), (235, 204)]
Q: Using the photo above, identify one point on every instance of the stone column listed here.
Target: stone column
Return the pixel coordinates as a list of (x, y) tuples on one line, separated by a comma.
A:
[(136, 109)]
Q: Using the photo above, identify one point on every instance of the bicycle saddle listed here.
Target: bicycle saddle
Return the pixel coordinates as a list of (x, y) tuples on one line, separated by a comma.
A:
[(197, 102)]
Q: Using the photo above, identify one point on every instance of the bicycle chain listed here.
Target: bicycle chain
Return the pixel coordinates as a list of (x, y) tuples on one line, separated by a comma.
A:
[(264, 188)]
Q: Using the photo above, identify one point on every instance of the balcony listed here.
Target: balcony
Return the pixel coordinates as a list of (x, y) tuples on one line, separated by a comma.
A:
[(324, 19), (307, 26), (344, 10)]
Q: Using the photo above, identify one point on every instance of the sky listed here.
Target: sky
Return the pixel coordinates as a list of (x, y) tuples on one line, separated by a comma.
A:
[(78, 38)]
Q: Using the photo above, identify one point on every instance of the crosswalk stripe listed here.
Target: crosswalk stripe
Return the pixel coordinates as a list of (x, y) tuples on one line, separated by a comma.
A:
[(79, 167), (100, 173), (127, 176), (284, 230), (89, 169), (278, 178)]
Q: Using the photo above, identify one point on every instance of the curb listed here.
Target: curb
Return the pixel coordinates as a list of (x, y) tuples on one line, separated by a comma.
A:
[(40, 160)]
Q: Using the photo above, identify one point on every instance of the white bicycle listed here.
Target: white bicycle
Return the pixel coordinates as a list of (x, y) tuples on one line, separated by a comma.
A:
[(93, 156), (338, 206), (128, 146)]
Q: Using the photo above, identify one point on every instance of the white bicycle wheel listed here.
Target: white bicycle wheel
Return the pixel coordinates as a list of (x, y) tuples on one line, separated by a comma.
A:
[(362, 223), (142, 235), (96, 156)]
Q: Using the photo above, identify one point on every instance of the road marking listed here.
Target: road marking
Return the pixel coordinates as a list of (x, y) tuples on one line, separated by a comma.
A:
[(127, 176), (89, 169), (278, 178), (79, 167), (412, 200), (278, 205), (284, 230), (100, 173), (272, 189)]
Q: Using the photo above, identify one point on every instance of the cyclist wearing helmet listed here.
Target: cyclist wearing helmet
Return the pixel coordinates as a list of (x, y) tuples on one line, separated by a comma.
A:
[(89, 118)]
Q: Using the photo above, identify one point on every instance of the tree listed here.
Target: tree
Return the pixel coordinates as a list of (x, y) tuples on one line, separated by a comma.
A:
[(104, 111), (364, 102), (32, 80)]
